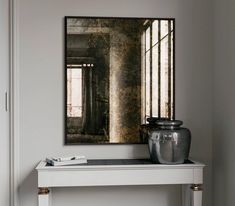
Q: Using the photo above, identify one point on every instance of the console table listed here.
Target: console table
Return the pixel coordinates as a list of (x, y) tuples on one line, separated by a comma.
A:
[(119, 173)]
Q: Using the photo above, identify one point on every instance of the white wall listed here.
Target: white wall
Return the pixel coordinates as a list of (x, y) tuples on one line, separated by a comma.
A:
[(224, 101), (4, 116), (41, 94)]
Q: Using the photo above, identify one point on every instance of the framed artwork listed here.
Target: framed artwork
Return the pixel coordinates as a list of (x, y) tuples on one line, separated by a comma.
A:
[(118, 73)]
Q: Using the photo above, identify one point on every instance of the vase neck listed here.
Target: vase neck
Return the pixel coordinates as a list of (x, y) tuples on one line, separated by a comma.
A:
[(169, 124)]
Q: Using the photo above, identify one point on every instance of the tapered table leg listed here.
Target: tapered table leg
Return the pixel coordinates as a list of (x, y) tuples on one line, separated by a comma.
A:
[(43, 196), (196, 195)]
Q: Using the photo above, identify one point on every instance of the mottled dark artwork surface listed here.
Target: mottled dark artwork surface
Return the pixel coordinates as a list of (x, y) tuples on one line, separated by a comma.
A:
[(118, 72)]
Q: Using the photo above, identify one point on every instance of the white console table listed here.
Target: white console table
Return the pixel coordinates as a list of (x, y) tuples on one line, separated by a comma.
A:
[(190, 176)]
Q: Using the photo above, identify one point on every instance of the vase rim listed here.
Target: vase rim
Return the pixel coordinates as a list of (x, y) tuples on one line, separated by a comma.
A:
[(169, 123)]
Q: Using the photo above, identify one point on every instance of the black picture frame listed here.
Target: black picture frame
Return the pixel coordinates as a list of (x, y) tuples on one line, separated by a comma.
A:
[(66, 142)]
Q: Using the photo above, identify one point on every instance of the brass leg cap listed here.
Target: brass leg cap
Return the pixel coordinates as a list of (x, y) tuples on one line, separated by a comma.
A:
[(43, 191), (196, 187)]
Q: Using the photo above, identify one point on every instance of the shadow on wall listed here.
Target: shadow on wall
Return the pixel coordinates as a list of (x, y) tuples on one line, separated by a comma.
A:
[(28, 187)]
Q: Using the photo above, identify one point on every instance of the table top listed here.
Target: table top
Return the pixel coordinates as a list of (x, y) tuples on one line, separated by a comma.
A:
[(120, 164)]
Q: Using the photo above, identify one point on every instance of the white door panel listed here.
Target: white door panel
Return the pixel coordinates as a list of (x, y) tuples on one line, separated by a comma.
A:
[(4, 115)]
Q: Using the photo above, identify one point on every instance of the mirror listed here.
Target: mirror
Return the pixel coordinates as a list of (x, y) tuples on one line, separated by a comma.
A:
[(118, 72)]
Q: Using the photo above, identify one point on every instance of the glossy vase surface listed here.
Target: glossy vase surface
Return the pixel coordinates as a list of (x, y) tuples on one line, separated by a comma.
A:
[(169, 143)]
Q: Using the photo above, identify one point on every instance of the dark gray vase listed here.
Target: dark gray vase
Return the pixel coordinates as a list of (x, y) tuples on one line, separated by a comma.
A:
[(169, 143)]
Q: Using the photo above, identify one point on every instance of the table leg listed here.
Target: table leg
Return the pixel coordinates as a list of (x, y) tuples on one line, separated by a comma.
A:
[(43, 196), (196, 195)]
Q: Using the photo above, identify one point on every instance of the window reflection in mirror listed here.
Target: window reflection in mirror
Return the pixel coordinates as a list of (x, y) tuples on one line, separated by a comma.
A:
[(118, 73), (157, 70)]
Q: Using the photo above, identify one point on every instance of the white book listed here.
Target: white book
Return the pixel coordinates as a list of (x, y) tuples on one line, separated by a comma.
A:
[(53, 162), (75, 157)]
